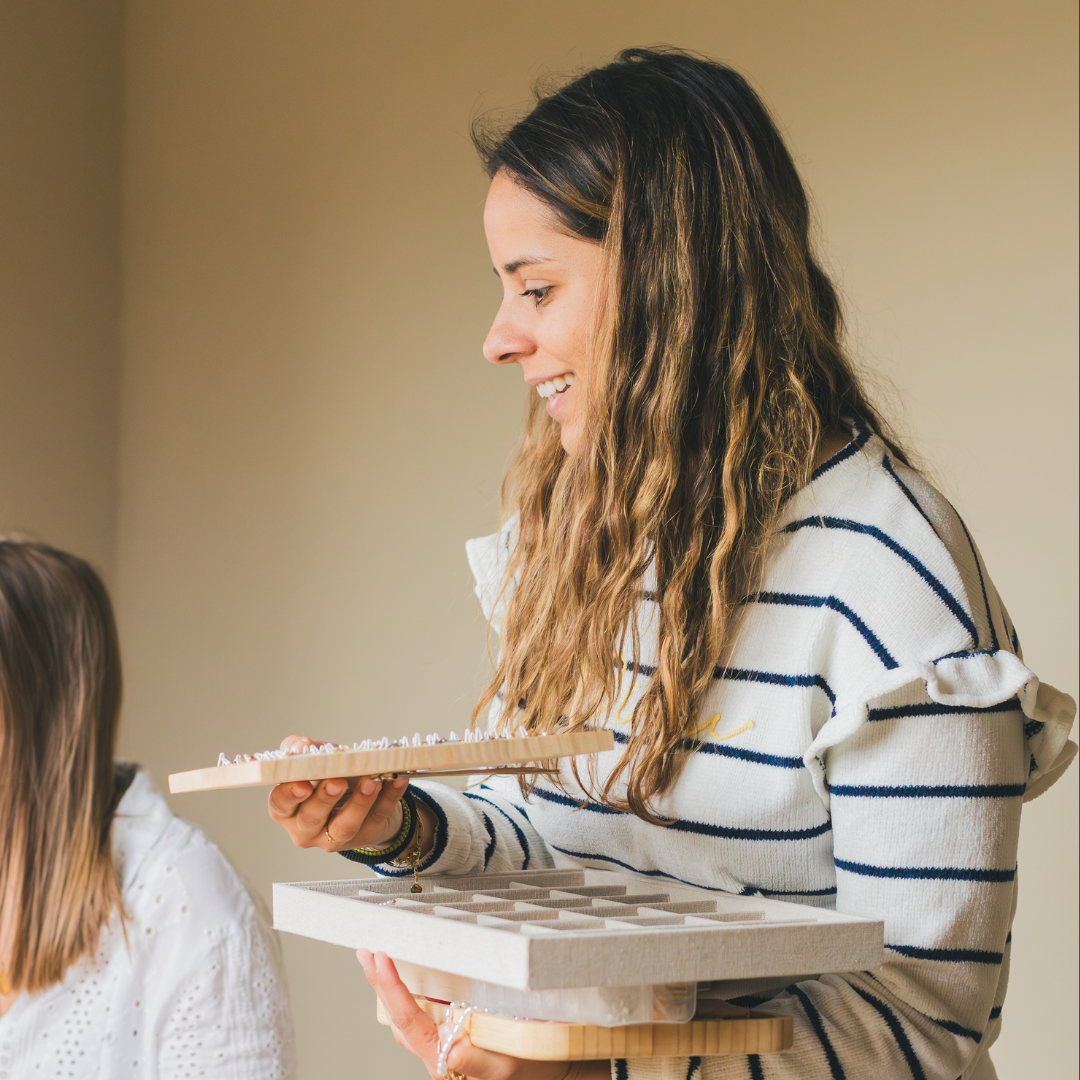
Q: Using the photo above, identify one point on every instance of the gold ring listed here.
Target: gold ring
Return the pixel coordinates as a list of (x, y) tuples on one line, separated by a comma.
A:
[(328, 836)]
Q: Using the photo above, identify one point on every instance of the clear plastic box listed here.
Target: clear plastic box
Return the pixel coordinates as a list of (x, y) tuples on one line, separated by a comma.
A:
[(606, 1006)]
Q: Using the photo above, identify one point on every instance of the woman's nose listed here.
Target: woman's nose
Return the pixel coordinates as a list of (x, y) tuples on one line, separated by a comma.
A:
[(507, 343)]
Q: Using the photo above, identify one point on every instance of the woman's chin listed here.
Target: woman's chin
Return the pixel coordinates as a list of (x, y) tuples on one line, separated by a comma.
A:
[(570, 437)]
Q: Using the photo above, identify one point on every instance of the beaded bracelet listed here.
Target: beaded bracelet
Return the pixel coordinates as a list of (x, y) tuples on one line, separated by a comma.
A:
[(374, 856)]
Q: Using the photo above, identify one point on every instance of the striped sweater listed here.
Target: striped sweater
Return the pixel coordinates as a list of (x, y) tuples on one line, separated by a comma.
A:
[(866, 744)]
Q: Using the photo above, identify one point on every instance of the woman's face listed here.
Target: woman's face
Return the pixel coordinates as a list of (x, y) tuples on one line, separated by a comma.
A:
[(552, 283)]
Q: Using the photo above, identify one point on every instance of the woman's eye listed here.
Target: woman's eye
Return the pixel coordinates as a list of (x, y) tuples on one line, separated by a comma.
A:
[(538, 294)]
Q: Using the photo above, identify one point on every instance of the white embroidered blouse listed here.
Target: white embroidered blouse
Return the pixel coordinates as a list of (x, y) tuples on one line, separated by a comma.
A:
[(191, 986)]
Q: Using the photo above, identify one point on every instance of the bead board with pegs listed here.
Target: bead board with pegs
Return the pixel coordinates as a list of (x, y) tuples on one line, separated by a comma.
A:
[(568, 928), (433, 756)]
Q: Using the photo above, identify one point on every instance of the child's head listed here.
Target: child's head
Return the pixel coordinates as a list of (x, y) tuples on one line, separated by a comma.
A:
[(60, 689)]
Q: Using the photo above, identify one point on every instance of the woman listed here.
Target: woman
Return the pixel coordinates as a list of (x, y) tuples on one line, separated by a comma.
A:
[(128, 945), (714, 546)]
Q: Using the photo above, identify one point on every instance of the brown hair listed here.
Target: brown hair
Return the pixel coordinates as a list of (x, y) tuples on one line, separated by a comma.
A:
[(59, 706), (718, 368)]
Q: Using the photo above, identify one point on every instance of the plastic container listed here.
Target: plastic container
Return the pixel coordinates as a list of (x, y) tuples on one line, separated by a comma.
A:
[(606, 1006)]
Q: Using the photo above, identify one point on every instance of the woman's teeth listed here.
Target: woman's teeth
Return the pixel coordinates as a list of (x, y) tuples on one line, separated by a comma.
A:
[(555, 386)]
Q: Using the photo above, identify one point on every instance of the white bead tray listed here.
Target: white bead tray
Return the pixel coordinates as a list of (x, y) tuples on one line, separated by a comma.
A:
[(548, 929)]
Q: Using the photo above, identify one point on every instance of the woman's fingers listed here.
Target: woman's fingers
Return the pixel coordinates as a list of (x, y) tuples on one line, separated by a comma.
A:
[(297, 742), (370, 816), (479, 1064), (314, 812), (413, 1028), (285, 798)]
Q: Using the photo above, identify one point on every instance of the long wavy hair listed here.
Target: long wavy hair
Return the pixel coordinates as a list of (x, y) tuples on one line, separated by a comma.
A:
[(715, 372), (60, 690)]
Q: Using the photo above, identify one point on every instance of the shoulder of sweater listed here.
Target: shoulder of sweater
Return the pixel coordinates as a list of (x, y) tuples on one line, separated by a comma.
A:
[(877, 521)]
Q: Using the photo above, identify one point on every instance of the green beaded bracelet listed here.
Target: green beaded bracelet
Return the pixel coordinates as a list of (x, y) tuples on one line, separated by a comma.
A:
[(373, 856)]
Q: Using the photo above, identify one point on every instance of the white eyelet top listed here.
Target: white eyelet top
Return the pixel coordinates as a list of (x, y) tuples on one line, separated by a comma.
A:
[(191, 986)]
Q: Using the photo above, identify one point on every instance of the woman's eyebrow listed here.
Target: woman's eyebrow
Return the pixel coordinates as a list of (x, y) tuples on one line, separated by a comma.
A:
[(528, 260)]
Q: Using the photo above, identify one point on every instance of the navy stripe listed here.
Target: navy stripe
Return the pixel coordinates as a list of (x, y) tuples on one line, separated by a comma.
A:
[(754, 1064), (982, 584), (957, 1029), (922, 791), (932, 708), (1032, 728), (925, 873), (831, 891), (627, 866), (749, 890), (750, 1001), (692, 1067), (727, 832), (948, 956), (490, 849), (995, 1012), (1008, 940), (853, 447), (724, 750), (834, 604), (622, 1072), (897, 1030), (517, 828), (907, 492), (774, 678), (576, 804), (943, 594), (698, 828), (814, 1017), (1015, 640)]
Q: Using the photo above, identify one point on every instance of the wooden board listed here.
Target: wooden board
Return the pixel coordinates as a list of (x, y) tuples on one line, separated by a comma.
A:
[(741, 1032), (434, 760), (576, 927)]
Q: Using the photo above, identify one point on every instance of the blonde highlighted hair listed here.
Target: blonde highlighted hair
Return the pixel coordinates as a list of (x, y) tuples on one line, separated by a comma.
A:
[(717, 370), (60, 688)]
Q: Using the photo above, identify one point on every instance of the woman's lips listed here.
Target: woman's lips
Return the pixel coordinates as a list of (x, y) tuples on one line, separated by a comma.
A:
[(556, 403)]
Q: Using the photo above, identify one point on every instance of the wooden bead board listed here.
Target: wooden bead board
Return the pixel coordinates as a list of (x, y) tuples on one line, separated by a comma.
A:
[(744, 1032), (549, 929), (422, 760)]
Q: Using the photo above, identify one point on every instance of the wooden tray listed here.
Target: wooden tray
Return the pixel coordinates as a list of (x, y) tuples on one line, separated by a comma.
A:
[(741, 1031), (440, 759)]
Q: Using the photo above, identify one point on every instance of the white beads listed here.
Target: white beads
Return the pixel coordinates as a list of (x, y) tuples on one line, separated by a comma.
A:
[(471, 735)]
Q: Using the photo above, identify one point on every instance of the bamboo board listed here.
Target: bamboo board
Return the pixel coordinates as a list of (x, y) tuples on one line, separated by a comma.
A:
[(741, 1031), (424, 760)]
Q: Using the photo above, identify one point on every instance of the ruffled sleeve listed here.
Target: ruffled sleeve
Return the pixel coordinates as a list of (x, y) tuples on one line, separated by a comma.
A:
[(488, 559), (973, 681)]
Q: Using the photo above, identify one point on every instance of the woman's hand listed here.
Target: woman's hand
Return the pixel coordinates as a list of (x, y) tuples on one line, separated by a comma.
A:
[(338, 814), (416, 1032)]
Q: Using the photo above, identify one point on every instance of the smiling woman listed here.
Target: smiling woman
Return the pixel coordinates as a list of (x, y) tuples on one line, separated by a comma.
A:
[(708, 521), (553, 286)]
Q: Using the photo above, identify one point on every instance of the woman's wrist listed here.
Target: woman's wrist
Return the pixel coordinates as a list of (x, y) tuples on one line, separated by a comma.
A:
[(430, 827), (398, 843)]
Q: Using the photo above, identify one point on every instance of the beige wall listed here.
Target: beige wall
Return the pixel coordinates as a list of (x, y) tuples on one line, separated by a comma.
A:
[(60, 116), (309, 433)]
